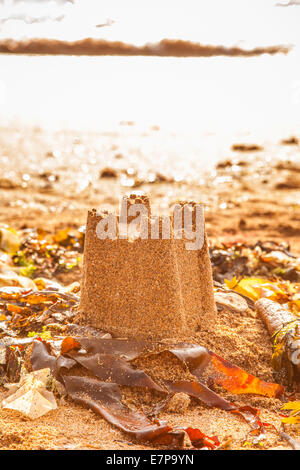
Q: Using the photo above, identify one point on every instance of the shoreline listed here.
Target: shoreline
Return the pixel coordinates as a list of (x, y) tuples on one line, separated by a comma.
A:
[(163, 48)]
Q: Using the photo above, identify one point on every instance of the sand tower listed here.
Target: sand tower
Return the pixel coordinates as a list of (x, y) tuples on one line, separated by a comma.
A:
[(154, 287)]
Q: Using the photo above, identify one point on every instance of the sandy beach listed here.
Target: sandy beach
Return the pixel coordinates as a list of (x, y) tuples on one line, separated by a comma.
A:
[(248, 197)]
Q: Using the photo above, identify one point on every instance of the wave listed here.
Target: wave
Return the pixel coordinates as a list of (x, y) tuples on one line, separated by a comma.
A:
[(163, 48)]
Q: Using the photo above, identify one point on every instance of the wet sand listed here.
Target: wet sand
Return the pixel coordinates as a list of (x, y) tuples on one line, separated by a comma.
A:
[(53, 179), (164, 48)]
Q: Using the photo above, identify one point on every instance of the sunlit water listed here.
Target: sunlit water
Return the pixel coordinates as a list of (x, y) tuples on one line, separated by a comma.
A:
[(201, 105), (227, 22)]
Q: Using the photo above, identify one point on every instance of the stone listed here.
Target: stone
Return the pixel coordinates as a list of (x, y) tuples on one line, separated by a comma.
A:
[(179, 403)]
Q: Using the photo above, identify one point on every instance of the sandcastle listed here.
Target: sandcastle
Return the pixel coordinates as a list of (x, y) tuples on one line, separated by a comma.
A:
[(145, 288)]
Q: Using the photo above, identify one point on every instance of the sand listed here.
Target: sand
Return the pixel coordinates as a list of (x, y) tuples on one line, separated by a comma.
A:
[(240, 206)]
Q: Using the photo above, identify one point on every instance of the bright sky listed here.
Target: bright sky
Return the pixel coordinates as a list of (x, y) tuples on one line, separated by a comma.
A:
[(257, 22), (218, 94)]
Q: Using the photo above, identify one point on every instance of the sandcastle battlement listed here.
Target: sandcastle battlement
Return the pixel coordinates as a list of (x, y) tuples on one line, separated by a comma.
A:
[(157, 226), (145, 286)]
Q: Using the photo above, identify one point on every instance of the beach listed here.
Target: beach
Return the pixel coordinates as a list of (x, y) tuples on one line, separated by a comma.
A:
[(57, 163), (94, 108), (40, 181)]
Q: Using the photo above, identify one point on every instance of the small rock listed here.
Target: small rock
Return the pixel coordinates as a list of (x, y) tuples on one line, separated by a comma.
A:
[(232, 301), (108, 173), (58, 317), (187, 441), (290, 141), (179, 403), (242, 224), (290, 182), (6, 183), (224, 164)]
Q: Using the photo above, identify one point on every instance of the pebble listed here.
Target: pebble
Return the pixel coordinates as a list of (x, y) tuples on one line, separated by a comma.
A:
[(232, 301), (179, 403)]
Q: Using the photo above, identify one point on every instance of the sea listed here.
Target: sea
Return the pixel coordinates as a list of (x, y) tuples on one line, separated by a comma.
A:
[(193, 105)]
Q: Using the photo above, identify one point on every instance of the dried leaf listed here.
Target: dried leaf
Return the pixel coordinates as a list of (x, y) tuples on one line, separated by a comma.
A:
[(237, 381), (200, 440), (69, 344), (17, 309), (232, 378), (291, 420), (292, 405), (231, 284), (250, 287), (30, 396), (9, 240)]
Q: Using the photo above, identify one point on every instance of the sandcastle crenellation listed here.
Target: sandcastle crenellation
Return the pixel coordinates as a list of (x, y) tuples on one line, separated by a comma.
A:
[(145, 287)]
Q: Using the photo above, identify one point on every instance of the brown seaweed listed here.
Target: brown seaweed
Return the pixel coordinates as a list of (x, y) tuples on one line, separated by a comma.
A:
[(105, 399), (109, 360)]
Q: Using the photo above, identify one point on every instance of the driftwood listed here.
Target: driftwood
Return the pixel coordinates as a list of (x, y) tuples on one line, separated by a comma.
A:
[(284, 328), (274, 315)]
